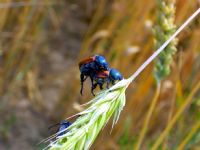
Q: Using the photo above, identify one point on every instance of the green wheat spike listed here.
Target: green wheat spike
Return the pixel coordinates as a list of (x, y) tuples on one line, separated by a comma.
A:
[(163, 30)]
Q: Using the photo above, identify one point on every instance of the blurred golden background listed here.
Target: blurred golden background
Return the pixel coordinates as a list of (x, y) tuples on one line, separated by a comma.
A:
[(41, 43)]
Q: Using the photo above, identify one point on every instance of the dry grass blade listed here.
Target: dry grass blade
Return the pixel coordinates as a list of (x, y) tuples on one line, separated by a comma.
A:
[(194, 130), (176, 117), (148, 117), (23, 4)]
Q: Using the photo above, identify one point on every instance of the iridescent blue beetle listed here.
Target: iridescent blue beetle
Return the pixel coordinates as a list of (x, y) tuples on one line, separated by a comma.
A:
[(62, 126), (101, 77), (90, 66)]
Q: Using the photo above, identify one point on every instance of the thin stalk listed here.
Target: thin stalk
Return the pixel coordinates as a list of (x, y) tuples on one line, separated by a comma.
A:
[(193, 131), (97, 16), (23, 4), (176, 117), (170, 115), (148, 117)]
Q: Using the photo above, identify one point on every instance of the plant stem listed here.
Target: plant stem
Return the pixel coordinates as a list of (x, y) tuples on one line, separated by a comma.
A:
[(194, 130), (148, 117), (176, 117)]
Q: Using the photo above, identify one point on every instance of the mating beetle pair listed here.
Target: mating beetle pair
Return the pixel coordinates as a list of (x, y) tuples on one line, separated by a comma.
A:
[(97, 69)]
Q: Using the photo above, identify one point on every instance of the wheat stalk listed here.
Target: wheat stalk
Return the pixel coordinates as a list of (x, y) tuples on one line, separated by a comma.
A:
[(82, 133)]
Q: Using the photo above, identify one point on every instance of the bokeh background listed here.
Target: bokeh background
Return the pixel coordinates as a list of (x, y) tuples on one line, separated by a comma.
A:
[(41, 43)]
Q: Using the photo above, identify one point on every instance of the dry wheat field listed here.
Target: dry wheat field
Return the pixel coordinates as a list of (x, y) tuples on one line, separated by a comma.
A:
[(41, 44)]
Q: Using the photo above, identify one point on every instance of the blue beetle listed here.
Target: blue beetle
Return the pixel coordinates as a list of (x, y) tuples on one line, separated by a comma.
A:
[(107, 77), (89, 66), (62, 126)]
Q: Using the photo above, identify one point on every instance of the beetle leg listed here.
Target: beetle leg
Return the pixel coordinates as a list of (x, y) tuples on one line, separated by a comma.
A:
[(101, 86), (93, 87), (107, 83), (82, 80), (113, 82)]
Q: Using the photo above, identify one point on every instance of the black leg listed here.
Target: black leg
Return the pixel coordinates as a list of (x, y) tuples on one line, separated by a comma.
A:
[(107, 83), (82, 80), (93, 87), (101, 86), (113, 82)]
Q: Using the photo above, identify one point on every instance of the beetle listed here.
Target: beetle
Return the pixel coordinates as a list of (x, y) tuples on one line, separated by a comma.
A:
[(101, 77), (89, 66), (62, 126)]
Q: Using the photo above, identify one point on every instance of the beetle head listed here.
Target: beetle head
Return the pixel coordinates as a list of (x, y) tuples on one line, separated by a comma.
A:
[(115, 75), (102, 62)]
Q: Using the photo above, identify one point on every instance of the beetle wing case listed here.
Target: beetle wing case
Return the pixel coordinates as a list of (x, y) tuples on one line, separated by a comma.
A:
[(87, 60)]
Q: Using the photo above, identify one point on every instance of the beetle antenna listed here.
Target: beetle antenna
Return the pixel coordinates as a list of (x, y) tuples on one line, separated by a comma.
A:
[(52, 126)]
